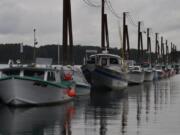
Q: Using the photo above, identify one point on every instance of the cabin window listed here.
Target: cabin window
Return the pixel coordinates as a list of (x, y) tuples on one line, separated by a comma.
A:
[(113, 61), (136, 68), (104, 61), (91, 61), (37, 74), (51, 76), (12, 72)]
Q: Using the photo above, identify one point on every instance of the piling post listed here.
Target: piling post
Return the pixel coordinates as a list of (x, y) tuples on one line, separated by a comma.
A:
[(67, 33), (156, 48), (124, 34), (102, 26), (35, 43)]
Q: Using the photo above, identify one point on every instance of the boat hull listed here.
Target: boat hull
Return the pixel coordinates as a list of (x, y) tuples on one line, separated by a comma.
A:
[(104, 78), (135, 77), (19, 92), (155, 75), (148, 75), (82, 89), (87, 71)]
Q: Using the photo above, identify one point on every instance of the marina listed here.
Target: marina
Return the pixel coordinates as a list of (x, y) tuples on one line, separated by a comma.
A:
[(124, 82)]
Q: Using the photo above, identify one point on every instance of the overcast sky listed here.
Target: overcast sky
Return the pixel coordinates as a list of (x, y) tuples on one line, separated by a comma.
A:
[(19, 17)]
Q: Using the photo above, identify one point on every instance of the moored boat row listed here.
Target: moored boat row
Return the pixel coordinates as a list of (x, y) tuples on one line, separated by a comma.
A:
[(104, 70)]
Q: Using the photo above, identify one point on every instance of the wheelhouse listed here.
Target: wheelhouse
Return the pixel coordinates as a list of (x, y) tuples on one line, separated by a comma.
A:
[(45, 74), (105, 60)]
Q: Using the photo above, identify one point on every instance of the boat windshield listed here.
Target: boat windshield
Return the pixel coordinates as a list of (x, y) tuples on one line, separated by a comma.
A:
[(113, 61), (158, 67), (11, 72), (146, 65), (34, 73), (136, 68), (104, 61), (91, 60)]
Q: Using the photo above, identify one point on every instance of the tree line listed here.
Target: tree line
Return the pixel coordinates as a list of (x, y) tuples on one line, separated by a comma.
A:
[(12, 51)]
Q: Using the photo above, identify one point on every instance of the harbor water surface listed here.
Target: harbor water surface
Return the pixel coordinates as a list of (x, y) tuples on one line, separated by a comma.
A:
[(152, 108)]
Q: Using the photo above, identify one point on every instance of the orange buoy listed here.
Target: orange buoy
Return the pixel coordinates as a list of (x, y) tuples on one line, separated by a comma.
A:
[(71, 92)]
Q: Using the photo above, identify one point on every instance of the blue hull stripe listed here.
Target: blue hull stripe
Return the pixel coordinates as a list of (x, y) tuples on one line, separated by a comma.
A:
[(109, 75)]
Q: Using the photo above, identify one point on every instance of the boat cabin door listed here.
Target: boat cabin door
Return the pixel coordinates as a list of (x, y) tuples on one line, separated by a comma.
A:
[(104, 61)]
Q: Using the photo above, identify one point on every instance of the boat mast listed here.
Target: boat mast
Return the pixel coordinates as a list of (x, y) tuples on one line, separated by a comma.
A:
[(104, 29), (171, 54), (156, 49), (140, 45), (21, 53), (167, 53), (126, 51), (35, 43), (162, 51), (174, 54), (121, 44), (149, 46), (102, 26), (67, 34)]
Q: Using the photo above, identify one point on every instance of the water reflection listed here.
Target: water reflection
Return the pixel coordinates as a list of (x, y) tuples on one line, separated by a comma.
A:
[(106, 109), (139, 109), (36, 120)]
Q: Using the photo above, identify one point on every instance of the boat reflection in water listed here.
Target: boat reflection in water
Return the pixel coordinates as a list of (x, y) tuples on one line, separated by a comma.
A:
[(106, 109), (124, 112), (139, 109), (36, 120)]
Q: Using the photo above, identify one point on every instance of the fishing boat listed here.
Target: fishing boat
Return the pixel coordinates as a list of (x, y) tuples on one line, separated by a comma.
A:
[(108, 71), (82, 86), (34, 85), (176, 68), (135, 73), (148, 72), (159, 72)]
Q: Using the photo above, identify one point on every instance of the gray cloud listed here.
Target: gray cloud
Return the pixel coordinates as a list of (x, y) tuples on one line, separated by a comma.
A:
[(19, 17)]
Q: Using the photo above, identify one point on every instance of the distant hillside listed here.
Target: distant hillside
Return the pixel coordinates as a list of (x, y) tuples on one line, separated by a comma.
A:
[(12, 51)]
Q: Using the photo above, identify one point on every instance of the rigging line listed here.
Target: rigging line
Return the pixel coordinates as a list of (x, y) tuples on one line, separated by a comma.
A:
[(109, 5), (96, 5), (90, 4), (130, 20), (114, 10), (133, 21), (143, 28)]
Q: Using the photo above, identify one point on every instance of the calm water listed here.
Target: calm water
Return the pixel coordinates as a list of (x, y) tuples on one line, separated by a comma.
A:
[(147, 109)]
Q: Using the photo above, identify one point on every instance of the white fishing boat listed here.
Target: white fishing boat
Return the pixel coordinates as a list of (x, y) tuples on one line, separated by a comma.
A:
[(135, 73), (158, 72), (36, 85), (148, 72), (108, 71)]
